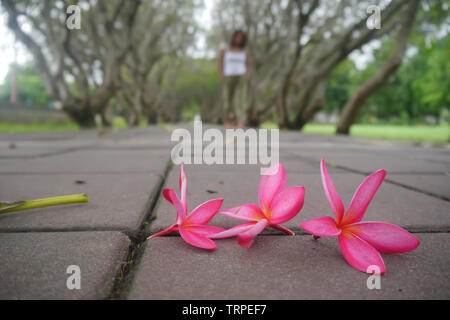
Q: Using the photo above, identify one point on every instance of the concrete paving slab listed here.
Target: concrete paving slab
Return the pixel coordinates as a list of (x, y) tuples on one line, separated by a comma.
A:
[(438, 185), (92, 161), (393, 204), (50, 136), (16, 151), (370, 160), (40, 148), (34, 265), (138, 132), (85, 134), (35, 145), (286, 267), (291, 163), (116, 201)]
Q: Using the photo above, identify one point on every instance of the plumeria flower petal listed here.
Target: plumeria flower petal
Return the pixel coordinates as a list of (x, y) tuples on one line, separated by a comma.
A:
[(171, 196), (197, 240), (192, 227), (360, 254), (204, 212), (276, 205), (322, 227), (234, 231), (173, 228), (385, 237), (286, 204), (204, 230), (361, 242), (333, 197), (248, 212), (183, 188), (245, 238), (362, 197), (271, 183)]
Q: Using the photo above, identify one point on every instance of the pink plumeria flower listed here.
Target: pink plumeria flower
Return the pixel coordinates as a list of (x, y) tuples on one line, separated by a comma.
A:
[(360, 242), (192, 227), (276, 205)]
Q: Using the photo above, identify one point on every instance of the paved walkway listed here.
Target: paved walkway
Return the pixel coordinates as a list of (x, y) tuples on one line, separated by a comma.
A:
[(123, 173)]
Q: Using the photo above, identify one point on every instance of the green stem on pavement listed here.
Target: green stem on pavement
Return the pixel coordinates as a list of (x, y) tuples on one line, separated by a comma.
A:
[(44, 202)]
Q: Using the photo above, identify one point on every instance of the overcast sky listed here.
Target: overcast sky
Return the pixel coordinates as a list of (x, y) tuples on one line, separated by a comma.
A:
[(7, 49)]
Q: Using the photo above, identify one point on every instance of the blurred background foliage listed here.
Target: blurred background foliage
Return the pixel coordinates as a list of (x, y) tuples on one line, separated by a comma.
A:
[(180, 84)]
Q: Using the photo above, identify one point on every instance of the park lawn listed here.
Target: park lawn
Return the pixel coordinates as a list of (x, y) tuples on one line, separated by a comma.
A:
[(436, 133), (433, 133), (118, 123), (36, 127)]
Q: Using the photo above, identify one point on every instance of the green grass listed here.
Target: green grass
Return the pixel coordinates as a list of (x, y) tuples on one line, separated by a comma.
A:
[(36, 127), (433, 133), (437, 133), (118, 123)]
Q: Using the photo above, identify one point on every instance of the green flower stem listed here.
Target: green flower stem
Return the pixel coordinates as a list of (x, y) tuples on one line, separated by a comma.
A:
[(44, 202)]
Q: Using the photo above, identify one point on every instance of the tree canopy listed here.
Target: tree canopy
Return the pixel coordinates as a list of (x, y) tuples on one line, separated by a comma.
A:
[(134, 59)]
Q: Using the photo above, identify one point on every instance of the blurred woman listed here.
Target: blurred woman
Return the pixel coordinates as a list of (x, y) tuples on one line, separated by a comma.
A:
[(234, 70)]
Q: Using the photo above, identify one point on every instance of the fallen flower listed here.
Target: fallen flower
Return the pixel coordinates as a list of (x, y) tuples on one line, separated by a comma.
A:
[(276, 205), (360, 242), (11, 206), (192, 227)]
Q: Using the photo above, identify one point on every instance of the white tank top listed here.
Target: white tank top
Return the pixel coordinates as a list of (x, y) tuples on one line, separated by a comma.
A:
[(234, 63)]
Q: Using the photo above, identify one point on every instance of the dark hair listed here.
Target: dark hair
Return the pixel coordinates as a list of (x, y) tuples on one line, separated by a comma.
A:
[(244, 38)]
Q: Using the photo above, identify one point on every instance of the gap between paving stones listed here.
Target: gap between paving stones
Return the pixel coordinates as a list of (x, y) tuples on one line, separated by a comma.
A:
[(431, 194), (124, 276)]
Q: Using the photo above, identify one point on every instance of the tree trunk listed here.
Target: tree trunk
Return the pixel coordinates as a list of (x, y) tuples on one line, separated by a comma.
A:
[(132, 118), (152, 117), (253, 122), (84, 116), (354, 106), (107, 117)]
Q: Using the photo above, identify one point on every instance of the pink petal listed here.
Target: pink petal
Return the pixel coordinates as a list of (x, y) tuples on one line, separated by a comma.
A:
[(321, 227), (385, 237), (172, 197), (333, 198), (363, 196), (196, 240), (203, 230), (234, 231), (183, 187), (287, 204), (248, 212), (271, 184), (171, 229), (245, 239), (359, 254), (282, 229), (204, 212)]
